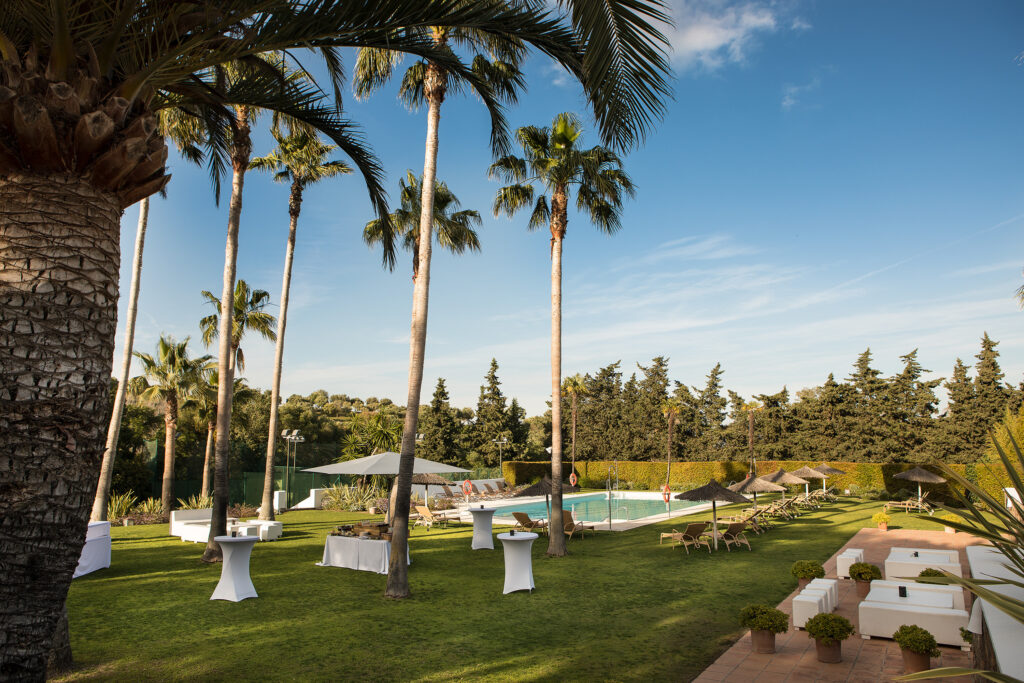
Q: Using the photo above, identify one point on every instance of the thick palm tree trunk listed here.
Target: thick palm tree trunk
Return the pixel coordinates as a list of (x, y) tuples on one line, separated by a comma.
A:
[(99, 504), (398, 569), (294, 207), (170, 427), (210, 429), (59, 260), (556, 535), (240, 152)]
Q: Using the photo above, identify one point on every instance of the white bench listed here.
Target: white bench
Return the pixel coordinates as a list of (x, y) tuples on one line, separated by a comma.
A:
[(881, 619), (847, 558), (181, 518), (903, 563), (956, 592), (831, 585), (806, 605), (268, 530)]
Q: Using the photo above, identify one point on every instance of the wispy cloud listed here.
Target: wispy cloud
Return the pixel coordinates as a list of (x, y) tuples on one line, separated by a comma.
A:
[(693, 248), (800, 25), (792, 95), (559, 76), (990, 268), (710, 33)]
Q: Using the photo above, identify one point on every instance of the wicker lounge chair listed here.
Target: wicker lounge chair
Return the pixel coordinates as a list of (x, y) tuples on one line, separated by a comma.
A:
[(909, 505), (524, 522), (571, 526), (734, 535), (695, 534), (428, 518)]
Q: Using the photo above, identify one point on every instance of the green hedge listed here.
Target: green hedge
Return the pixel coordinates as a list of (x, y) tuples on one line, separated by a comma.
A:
[(687, 475)]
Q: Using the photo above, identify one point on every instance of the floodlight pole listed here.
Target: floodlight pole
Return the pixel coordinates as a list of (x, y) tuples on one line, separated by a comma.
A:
[(501, 442)]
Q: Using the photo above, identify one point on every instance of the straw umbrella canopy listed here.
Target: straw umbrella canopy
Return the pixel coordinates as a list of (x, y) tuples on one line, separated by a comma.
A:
[(806, 472), (756, 485), (714, 492), (428, 478), (921, 476), (543, 487), (781, 476), (827, 471)]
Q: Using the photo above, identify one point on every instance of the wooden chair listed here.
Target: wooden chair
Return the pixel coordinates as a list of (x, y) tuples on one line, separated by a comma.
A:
[(524, 522)]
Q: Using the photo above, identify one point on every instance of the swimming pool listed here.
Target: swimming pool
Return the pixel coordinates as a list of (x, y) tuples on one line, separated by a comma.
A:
[(593, 507)]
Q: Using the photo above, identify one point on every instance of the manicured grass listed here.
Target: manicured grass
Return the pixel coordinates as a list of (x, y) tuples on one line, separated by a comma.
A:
[(621, 606)]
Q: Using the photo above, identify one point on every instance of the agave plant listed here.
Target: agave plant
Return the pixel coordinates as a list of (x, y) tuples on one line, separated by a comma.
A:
[(1002, 526), (120, 505), (195, 502), (150, 506)]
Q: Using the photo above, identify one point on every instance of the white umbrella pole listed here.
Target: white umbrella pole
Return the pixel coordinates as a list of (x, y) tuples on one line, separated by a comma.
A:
[(714, 524), (823, 485), (918, 493), (807, 489)]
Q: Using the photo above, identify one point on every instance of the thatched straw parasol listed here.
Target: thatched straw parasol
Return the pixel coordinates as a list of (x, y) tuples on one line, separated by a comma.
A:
[(756, 485), (807, 473), (714, 492), (781, 476), (828, 471), (921, 476), (429, 478), (543, 488)]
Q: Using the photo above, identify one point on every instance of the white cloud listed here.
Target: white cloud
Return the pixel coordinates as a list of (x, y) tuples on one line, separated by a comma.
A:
[(559, 76), (800, 25), (792, 95), (990, 268), (712, 33), (693, 248)]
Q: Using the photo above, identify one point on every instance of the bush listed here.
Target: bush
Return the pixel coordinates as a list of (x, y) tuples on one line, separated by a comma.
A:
[(764, 618), (951, 517), (150, 506), (195, 503), (828, 628), (930, 572), (351, 498), (862, 571), (807, 569), (880, 518), (241, 510), (916, 639), (119, 506)]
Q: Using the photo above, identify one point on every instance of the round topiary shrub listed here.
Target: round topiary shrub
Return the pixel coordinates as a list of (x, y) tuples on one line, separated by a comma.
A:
[(807, 569), (764, 618), (880, 518), (862, 571), (917, 640), (828, 628), (930, 572)]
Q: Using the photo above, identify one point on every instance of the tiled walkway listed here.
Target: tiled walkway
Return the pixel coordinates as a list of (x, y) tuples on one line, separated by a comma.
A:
[(864, 661)]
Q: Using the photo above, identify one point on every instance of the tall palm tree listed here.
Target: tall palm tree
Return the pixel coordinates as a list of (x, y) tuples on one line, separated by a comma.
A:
[(452, 228), (173, 378), (247, 314), (99, 504), (574, 387), (554, 160), (670, 408), (301, 159), (87, 80)]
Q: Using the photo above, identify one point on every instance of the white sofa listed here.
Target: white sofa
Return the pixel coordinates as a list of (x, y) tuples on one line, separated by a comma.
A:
[(881, 619), (96, 551), (956, 592), (902, 563), (181, 518)]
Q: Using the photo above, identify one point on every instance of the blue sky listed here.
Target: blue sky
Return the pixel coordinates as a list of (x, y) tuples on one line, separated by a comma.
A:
[(830, 176)]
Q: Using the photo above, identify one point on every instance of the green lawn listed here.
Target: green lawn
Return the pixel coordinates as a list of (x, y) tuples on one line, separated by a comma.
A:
[(621, 606)]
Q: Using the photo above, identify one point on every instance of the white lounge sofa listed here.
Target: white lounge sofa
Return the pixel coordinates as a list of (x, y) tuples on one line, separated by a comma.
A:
[(96, 551), (881, 619), (181, 518), (902, 563), (956, 592), (269, 530)]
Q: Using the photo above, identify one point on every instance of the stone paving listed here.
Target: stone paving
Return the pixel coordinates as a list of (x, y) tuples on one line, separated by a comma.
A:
[(864, 661)]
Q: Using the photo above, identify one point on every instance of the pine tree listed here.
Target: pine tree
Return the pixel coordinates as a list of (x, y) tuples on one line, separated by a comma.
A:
[(491, 419), (774, 426), (519, 429), (867, 431), (598, 430), (908, 406), (991, 396), (440, 430), (951, 438), (711, 407)]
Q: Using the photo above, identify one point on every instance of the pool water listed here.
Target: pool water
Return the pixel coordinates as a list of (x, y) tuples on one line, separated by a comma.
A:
[(594, 508)]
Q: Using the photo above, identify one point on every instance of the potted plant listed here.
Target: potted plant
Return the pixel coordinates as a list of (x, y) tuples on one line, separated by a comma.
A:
[(764, 622), (829, 631), (931, 572), (805, 570), (863, 574), (918, 647), (950, 517), (881, 520)]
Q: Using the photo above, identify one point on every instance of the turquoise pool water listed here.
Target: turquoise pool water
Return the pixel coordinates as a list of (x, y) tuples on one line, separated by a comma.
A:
[(594, 508)]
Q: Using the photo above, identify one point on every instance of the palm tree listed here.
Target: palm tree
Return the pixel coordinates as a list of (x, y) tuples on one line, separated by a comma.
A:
[(175, 379), (87, 80), (300, 158), (574, 387), (670, 408), (453, 229), (205, 402), (247, 314), (99, 504), (555, 160)]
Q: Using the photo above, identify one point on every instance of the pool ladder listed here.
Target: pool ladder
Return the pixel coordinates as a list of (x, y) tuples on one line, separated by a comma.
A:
[(621, 507)]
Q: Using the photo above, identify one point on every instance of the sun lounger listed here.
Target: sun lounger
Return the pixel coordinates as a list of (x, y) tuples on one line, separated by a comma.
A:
[(733, 535), (571, 526), (524, 522), (909, 505), (428, 518), (695, 535)]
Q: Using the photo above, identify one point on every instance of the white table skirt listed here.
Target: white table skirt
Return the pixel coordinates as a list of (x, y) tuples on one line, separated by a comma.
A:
[(518, 560), (483, 534), (96, 551), (235, 584), (362, 554)]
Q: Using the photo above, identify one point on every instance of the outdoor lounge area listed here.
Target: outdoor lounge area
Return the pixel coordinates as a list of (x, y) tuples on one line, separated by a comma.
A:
[(651, 610)]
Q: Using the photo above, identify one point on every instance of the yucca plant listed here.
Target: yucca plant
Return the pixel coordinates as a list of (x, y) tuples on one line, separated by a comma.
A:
[(991, 520), (196, 502), (150, 506), (120, 505)]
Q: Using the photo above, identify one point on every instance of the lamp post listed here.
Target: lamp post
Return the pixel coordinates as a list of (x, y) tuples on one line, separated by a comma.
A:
[(501, 442), (291, 438)]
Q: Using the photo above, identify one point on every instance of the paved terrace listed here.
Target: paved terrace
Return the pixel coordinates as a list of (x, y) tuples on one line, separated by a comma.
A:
[(864, 661)]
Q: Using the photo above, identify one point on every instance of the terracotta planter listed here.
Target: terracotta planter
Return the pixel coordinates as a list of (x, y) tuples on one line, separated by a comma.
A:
[(802, 583), (913, 662), (762, 642), (883, 527), (863, 588), (829, 654)]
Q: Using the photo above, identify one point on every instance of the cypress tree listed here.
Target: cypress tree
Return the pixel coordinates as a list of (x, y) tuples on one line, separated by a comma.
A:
[(440, 429), (867, 431), (991, 396), (492, 422)]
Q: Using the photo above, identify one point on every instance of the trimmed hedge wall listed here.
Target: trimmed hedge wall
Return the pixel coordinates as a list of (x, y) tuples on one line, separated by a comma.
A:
[(687, 475)]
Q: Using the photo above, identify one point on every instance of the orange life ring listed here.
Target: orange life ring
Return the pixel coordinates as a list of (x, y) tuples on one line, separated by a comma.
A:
[(572, 479), (666, 493), (467, 487)]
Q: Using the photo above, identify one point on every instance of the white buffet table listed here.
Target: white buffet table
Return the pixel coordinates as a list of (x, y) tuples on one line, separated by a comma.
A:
[(235, 584), (96, 551), (362, 554), (518, 560), (483, 535)]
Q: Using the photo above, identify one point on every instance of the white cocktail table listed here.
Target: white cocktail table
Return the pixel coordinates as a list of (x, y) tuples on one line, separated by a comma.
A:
[(235, 584), (483, 538), (518, 560)]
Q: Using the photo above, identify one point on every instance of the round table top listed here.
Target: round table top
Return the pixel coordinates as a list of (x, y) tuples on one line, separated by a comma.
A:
[(473, 509), (520, 536), (236, 539)]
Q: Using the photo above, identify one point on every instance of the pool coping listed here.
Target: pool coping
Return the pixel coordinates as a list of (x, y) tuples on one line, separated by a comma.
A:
[(621, 525)]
